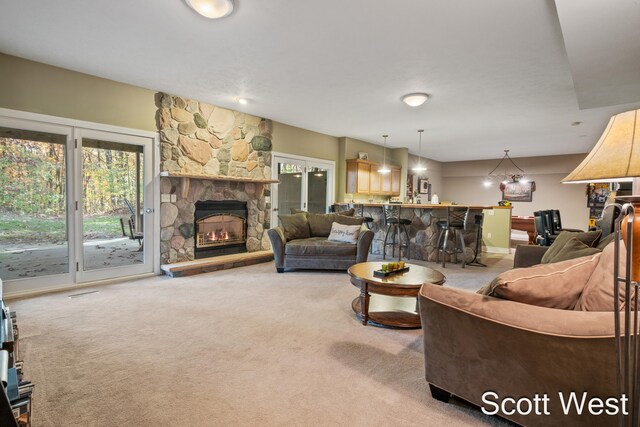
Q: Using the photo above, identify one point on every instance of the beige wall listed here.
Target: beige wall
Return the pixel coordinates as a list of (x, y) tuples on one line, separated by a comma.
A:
[(40, 88), (463, 183), (303, 142), (433, 173)]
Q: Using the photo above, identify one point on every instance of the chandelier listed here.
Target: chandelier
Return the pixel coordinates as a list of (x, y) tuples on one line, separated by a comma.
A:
[(505, 171)]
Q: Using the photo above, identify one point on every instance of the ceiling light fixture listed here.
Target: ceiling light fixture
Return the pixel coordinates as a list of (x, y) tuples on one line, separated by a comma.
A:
[(510, 174), (384, 168), (420, 167), (212, 9), (242, 101), (415, 99)]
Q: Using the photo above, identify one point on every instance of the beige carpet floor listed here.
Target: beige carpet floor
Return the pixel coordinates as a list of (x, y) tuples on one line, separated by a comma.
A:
[(240, 347)]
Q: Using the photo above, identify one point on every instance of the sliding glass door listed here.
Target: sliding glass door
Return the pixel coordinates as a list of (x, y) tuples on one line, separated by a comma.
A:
[(113, 221), (75, 205), (34, 202)]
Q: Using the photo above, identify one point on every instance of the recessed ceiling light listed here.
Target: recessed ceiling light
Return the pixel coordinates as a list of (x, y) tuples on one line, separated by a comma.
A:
[(415, 99), (242, 101), (212, 9), (576, 123)]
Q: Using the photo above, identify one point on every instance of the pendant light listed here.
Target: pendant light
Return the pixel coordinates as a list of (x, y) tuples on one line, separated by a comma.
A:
[(420, 167), (384, 168)]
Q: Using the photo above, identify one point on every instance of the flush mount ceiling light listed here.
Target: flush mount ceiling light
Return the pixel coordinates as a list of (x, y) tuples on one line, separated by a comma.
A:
[(415, 99), (212, 9), (384, 168), (420, 167), (242, 101)]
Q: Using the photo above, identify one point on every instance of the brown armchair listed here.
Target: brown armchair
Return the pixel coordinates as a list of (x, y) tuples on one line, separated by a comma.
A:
[(474, 344), (520, 348)]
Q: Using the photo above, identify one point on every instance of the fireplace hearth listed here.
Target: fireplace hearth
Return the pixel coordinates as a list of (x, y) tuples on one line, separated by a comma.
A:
[(220, 228)]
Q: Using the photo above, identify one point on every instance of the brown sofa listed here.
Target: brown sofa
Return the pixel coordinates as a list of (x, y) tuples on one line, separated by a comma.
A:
[(315, 251), (475, 344)]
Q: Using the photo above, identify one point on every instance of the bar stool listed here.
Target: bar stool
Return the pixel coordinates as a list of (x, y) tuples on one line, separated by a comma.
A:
[(359, 211), (395, 226), (479, 220), (456, 222)]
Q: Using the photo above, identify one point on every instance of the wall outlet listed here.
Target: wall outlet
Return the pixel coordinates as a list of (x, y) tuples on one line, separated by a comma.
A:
[(165, 198), (488, 235), (491, 212), (174, 198)]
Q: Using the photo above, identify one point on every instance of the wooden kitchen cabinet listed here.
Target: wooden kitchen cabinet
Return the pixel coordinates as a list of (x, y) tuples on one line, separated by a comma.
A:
[(375, 180), (363, 177), (358, 172), (395, 182)]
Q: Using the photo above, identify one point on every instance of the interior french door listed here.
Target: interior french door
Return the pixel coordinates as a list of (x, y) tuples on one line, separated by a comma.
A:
[(123, 163), (305, 184)]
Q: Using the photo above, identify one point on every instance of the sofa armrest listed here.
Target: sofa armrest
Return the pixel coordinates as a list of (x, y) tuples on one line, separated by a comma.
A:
[(528, 255), (364, 243), (474, 344), (276, 235), (528, 317)]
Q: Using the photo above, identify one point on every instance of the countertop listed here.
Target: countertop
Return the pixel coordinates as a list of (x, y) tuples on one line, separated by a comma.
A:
[(428, 206)]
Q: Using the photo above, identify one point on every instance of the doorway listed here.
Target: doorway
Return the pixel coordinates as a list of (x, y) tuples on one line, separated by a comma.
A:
[(75, 204), (306, 184)]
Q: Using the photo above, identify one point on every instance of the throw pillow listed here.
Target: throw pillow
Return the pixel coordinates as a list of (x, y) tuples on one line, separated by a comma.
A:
[(588, 238), (598, 292), (574, 248), (295, 226), (344, 233), (556, 285)]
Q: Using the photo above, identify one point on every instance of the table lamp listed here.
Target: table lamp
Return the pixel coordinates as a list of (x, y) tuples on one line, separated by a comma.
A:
[(616, 158)]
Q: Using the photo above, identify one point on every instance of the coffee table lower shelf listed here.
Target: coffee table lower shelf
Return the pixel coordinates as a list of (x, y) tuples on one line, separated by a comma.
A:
[(394, 319)]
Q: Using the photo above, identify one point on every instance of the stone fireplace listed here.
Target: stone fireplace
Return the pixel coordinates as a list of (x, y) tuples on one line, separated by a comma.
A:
[(211, 155)]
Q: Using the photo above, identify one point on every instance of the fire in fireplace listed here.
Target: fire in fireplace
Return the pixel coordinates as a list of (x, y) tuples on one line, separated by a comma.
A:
[(220, 228)]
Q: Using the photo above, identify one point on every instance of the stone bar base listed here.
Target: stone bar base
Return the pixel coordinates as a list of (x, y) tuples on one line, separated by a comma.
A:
[(208, 265), (423, 232)]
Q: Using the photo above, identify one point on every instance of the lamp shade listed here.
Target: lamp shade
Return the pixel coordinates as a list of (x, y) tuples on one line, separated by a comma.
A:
[(616, 156)]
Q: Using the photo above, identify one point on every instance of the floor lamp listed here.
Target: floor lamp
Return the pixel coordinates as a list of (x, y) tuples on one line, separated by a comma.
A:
[(616, 157)]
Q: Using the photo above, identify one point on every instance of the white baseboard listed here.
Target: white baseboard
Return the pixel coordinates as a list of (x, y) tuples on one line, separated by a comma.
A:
[(71, 287), (497, 250)]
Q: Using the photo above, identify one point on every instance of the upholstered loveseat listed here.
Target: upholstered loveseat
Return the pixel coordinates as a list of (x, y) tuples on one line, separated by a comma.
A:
[(302, 242), (539, 343)]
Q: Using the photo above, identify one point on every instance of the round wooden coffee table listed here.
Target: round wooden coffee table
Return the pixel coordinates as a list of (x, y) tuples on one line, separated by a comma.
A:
[(399, 285)]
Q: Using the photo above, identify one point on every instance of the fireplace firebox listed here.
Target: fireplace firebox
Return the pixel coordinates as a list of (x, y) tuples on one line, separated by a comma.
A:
[(220, 228)]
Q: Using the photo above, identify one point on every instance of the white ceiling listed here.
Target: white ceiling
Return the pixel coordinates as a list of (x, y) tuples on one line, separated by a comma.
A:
[(497, 70)]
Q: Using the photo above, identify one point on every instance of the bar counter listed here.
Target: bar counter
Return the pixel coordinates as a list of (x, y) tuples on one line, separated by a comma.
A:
[(423, 230)]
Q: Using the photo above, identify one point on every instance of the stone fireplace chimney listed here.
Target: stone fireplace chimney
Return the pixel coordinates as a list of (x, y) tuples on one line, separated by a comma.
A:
[(210, 153)]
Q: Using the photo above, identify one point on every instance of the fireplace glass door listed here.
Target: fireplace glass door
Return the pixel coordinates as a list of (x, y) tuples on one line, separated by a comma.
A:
[(220, 230)]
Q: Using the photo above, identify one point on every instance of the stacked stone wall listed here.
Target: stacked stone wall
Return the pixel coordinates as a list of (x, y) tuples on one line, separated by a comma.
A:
[(201, 139)]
